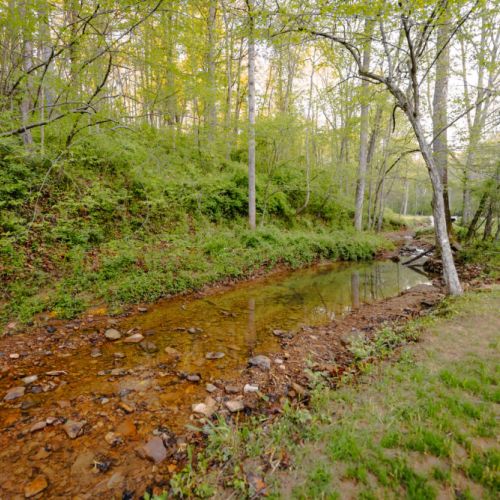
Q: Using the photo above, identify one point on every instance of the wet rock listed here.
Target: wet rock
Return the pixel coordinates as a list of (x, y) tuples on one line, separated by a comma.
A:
[(73, 428), (278, 361), (112, 334), (249, 388), (14, 393), (260, 361), (207, 408), (56, 373), (134, 339), (36, 486), (148, 346), (95, 352), (214, 355), (235, 405), (193, 330), (283, 334), (113, 439), (118, 372), (38, 426), (142, 309), (27, 404), (14, 355), (51, 420), (155, 450), (193, 377), (118, 355), (103, 463), (51, 329), (232, 389), (174, 353), (210, 388), (126, 407), (30, 379), (127, 428)]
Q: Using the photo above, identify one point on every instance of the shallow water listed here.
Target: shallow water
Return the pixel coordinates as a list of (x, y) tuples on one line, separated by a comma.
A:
[(238, 322)]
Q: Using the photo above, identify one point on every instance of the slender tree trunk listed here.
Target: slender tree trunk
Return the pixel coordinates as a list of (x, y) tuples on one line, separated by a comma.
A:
[(440, 113), (251, 117), (212, 84), (363, 137)]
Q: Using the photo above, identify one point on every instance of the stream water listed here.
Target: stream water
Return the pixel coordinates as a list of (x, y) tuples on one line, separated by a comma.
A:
[(95, 383)]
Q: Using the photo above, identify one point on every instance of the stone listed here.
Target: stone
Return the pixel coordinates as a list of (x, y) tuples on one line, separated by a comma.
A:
[(207, 408), (278, 361), (193, 378), (260, 361), (193, 330), (73, 428), (14, 355), (134, 339), (214, 355), (142, 309), (118, 372), (56, 373), (232, 389), (30, 379), (95, 352), (112, 334), (38, 426), (235, 405), (249, 388), (51, 420), (148, 346), (118, 355), (174, 353), (113, 439), (126, 407), (155, 450), (127, 428), (51, 329), (36, 486), (210, 388), (14, 393)]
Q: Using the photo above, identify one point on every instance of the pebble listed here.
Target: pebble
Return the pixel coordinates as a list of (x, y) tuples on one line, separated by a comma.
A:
[(14, 355), (211, 388), (119, 355), (38, 426), (126, 407), (73, 428), (95, 353), (142, 309), (148, 346), (235, 405), (134, 339), (194, 330), (36, 486), (56, 373), (193, 378), (278, 361), (112, 334), (214, 355), (232, 389), (207, 408), (250, 388), (172, 352), (113, 439), (30, 379), (155, 450), (260, 361), (14, 393)]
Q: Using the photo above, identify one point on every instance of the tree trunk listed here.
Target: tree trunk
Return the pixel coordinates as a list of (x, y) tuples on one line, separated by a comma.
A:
[(363, 137), (251, 118), (450, 274), (212, 84), (440, 113)]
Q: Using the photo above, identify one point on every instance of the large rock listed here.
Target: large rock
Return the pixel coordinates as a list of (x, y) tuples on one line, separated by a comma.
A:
[(235, 405), (155, 450), (112, 334), (260, 361), (207, 408)]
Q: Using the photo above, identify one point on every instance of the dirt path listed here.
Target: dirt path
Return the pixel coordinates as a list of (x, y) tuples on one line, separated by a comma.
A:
[(424, 427)]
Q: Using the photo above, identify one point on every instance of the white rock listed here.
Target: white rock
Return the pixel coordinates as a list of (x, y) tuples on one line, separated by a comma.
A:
[(250, 388)]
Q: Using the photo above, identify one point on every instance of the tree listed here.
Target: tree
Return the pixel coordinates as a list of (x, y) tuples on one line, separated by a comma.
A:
[(251, 115)]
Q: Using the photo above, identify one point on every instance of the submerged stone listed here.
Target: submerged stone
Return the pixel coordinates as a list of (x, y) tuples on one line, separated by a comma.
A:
[(260, 361)]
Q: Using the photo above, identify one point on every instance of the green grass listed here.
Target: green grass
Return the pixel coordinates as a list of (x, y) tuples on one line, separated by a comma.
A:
[(409, 428)]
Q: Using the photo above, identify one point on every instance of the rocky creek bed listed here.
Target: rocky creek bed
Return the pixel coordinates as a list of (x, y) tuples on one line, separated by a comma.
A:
[(98, 407)]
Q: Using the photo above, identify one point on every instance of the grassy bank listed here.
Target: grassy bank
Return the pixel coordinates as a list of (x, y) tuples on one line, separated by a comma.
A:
[(418, 427), (128, 218)]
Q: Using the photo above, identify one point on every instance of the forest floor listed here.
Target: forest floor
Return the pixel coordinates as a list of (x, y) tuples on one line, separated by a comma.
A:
[(99, 418)]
